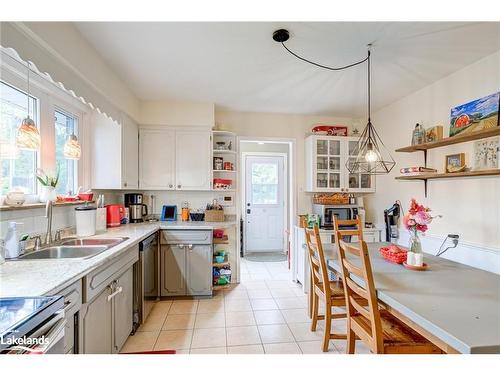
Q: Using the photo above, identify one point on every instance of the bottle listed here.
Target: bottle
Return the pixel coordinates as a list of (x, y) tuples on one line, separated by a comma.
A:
[(11, 242)]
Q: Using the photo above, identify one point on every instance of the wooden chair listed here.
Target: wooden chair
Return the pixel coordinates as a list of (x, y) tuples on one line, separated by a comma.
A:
[(381, 331), (330, 292), (339, 224)]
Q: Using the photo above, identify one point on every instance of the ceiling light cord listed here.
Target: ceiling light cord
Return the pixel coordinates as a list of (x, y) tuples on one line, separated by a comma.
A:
[(323, 66)]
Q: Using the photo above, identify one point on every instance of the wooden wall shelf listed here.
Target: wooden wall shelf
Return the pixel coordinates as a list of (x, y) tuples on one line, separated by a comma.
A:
[(434, 176), (486, 133)]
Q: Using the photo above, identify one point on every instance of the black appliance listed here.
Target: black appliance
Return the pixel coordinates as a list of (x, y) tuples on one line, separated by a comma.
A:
[(133, 198), (391, 218), (327, 214), (32, 324)]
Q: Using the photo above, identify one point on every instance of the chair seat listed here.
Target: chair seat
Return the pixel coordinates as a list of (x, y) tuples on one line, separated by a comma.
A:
[(398, 337), (336, 289)]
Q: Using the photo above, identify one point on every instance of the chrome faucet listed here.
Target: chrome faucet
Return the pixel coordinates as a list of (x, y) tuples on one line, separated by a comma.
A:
[(48, 215)]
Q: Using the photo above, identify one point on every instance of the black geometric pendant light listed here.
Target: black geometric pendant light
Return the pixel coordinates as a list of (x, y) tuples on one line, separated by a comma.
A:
[(372, 157)]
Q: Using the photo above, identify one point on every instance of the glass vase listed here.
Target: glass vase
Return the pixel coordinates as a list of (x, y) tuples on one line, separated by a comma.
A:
[(414, 245)]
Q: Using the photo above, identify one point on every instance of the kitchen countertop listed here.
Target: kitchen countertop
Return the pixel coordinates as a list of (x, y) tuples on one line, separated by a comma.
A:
[(21, 278)]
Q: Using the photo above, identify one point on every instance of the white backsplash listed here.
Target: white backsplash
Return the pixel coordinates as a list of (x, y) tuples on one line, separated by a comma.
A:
[(34, 221)]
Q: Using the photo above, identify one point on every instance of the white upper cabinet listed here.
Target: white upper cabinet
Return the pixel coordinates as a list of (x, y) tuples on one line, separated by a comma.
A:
[(326, 171), (193, 166), (114, 153), (172, 159), (157, 159)]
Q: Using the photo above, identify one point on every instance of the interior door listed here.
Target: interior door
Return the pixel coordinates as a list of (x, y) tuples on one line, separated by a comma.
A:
[(264, 203)]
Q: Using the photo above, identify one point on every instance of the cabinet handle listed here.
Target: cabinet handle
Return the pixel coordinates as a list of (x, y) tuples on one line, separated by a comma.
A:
[(117, 291), (170, 186), (178, 186), (125, 184), (180, 246), (190, 247)]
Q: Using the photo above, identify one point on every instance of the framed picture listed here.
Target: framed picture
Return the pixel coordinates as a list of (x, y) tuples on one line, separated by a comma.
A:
[(218, 163), (455, 163), (486, 153), (476, 115), (434, 134)]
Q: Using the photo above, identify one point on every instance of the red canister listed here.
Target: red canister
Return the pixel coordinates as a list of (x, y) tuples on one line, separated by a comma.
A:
[(114, 214)]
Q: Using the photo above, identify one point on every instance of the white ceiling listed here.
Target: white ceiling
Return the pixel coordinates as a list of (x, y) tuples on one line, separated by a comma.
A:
[(238, 66)]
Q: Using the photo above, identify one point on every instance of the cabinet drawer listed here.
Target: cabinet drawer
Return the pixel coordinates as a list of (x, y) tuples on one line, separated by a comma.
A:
[(194, 237), (98, 279)]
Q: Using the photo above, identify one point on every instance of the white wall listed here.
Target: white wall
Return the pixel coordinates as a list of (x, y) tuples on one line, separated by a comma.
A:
[(470, 206), (176, 113), (278, 125)]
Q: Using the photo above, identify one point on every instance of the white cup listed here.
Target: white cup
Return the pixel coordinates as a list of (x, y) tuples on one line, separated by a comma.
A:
[(419, 260)]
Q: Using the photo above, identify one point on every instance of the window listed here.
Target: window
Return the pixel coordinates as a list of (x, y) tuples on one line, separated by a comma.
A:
[(65, 125), (18, 167), (264, 183)]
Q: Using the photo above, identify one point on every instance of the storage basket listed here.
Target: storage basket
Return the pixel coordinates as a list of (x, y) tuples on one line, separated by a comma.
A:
[(332, 199), (214, 215), (392, 256)]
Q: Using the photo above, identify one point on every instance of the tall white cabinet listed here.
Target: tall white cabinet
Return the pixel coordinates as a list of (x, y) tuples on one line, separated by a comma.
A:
[(326, 170), (174, 159)]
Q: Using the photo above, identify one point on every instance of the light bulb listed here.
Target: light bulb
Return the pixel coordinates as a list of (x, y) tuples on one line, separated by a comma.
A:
[(371, 156)]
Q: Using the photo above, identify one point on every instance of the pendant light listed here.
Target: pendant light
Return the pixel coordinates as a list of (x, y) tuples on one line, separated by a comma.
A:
[(372, 156), (72, 149), (28, 136)]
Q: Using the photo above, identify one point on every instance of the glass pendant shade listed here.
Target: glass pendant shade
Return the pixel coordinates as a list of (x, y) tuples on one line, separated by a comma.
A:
[(72, 149), (28, 136), (372, 156)]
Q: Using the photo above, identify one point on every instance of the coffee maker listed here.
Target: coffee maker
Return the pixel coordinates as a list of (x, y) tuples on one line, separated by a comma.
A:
[(391, 218), (137, 210)]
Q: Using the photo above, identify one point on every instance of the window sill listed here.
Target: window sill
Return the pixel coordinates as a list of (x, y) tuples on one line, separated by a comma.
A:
[(39, 205)]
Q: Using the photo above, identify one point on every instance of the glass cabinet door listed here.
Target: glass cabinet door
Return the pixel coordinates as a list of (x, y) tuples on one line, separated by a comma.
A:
[(322, 147)]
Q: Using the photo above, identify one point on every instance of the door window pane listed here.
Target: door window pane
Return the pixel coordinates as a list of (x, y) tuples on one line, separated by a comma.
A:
[(18, 167), (264, 183), (65, 125)]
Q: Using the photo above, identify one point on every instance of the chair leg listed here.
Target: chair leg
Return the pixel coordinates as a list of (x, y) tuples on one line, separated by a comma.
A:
[(315, 307), (351, 341), (328, 327), (311, 296)]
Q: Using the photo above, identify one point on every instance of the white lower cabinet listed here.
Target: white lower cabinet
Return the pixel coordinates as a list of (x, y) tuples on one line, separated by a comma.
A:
[(107, 314)]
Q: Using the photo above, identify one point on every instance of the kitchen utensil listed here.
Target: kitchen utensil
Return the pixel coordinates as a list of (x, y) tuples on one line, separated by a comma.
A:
[(85, 217), (137, 212), (133, 198), (221, 145), (114, 214), (86, 196)]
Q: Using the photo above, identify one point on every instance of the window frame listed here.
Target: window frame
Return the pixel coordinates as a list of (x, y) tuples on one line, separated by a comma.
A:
[(49, 98)]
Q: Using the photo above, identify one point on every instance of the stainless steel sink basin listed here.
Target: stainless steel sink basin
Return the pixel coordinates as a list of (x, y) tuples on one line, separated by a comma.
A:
[(75, 248), (66, 252), (108, 242)]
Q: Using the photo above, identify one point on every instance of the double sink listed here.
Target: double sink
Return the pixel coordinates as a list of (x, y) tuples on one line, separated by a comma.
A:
[(75, 249)]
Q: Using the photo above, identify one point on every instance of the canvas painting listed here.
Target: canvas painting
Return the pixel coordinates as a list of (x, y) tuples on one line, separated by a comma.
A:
[(476, 115)]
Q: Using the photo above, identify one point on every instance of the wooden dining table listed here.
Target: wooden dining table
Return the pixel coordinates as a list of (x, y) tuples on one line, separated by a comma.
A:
[(455, 306)]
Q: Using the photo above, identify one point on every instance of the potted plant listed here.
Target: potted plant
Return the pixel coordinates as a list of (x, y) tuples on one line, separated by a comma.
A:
[(49, 184)]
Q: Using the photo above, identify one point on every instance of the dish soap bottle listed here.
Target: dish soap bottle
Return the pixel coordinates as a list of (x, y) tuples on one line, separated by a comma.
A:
[(11, 242)]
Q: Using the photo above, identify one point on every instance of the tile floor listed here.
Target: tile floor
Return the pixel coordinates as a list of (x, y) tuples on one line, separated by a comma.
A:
[(264, 314)]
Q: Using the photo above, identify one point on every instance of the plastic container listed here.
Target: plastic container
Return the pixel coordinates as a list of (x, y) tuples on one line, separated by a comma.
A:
[(219, 259), (85, 217)]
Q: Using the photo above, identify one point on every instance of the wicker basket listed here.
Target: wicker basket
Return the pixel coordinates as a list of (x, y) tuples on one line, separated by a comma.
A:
[(336, 198), (214, 215)]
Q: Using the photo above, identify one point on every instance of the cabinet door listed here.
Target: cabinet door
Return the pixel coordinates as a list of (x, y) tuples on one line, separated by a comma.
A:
[(173, 270), (123, 310), (357, 182), (329, 164), (106, 153), (157, 159), (199, 270), (130, 155), (97, 325), (193, 162)]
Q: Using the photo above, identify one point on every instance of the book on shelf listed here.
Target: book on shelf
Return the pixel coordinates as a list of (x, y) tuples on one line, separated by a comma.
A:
[(412, 170)]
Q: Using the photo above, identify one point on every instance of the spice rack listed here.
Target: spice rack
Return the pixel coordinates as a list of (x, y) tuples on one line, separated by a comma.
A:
[(486, 133), (227, 155)]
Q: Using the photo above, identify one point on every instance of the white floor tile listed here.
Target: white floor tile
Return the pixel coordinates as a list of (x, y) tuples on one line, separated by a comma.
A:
[(264, 317), (275, 333), (245, 349), (208, 338), (282, 348), (242, 336)]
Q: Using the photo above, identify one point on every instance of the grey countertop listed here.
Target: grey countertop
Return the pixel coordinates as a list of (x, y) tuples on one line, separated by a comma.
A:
[(22, 278), (458, 304)]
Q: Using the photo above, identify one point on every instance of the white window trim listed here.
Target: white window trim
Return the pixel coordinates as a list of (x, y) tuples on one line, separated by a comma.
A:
[(50, 97)]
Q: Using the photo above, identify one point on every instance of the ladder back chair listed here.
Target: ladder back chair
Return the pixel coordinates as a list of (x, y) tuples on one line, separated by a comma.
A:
[(378, 329), (330, 292)]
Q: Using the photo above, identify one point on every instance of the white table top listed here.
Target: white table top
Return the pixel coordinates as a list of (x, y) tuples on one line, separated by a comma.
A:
[(458, 304)]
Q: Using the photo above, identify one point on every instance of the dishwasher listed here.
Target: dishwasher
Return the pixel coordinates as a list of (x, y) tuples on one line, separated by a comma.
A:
[(146, 277)]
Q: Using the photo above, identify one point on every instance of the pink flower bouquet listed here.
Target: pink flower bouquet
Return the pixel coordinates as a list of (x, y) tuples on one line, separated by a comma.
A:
[(418, 217)]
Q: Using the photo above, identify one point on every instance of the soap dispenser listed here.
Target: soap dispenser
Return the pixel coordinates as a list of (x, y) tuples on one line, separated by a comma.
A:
[(11, 242)]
